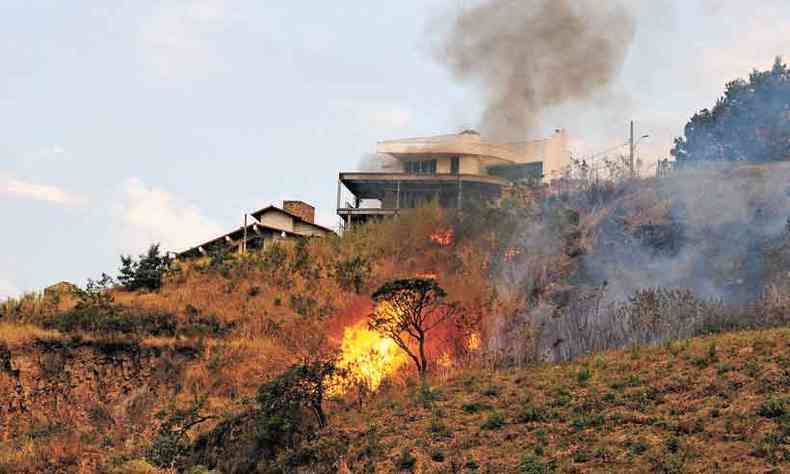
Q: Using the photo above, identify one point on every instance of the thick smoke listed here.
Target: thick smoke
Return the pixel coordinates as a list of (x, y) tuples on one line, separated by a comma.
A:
[(720, 225), (533, 54), (721, 232)]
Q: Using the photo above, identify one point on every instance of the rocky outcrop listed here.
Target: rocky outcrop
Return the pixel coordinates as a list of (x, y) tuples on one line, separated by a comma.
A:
[(84, 385)]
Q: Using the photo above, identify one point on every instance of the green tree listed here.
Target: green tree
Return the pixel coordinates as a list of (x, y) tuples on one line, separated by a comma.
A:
[(172, 441), (751, 122), (284, 401), (407, 310), (144, 273)]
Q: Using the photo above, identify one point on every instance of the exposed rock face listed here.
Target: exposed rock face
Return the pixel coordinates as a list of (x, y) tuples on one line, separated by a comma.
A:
[(84, 385), (62, 296)]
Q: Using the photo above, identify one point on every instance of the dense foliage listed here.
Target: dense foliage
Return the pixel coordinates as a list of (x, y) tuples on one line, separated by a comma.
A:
[(286, 402), (146, 272), (751, 122)]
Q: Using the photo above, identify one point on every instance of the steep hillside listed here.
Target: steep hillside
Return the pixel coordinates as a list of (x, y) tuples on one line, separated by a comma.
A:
[(199, 371), (714, 404)]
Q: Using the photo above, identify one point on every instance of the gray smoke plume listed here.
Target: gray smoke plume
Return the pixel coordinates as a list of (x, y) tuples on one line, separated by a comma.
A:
[(533, 54)]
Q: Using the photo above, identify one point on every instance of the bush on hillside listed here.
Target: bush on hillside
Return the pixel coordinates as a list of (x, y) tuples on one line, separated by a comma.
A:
[(172, 442), (144, 273), (286, 402), (353, 273)]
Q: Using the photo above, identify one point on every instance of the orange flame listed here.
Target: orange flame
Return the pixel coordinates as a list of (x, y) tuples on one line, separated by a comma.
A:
[(473, 342), (442, 237), (367, 357)]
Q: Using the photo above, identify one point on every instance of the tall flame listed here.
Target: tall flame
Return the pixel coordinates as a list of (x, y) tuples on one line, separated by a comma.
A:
[(367, 357)]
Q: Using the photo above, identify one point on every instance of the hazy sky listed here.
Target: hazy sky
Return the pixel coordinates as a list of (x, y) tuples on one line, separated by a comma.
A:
[(127, 122)]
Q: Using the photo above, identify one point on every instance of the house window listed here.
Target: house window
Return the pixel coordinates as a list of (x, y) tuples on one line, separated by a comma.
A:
[(421, 167), (454, 165), (528, 172)]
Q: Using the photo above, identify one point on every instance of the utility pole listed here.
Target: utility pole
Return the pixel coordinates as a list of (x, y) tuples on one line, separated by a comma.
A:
[(632, 147), (244, 239)]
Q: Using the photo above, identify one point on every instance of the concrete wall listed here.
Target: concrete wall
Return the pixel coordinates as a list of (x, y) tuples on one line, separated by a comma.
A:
[(470, 165), (443, 165), (552, 152), (556, 156), (476, 156)]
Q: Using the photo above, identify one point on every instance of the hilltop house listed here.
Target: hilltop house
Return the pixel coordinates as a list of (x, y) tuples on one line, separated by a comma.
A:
[(295, 220), (447, 169)]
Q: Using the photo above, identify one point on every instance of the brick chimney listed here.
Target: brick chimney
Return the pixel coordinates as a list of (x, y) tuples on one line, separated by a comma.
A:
[(301, 209)]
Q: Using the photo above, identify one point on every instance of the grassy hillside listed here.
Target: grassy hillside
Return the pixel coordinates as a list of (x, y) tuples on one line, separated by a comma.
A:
[(122, 381), (713, 404)]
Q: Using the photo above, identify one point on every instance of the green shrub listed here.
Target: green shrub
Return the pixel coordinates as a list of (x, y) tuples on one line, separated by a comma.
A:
[(113, 320), (773, 408), (406, 460), (353, 273), (530, 414), (472, 407), (672, 444), (438, 426), (491, 391), (171, 443), (495, 421), (531, 464), (583, 375), (286, 402), (587, 421), (581, 456)]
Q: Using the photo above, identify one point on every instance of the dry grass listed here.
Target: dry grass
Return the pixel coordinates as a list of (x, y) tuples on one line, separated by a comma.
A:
[(16, 335), (691, 406)]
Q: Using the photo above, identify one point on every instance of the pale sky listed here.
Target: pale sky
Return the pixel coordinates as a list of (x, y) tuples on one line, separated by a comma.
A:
[(128, 122)]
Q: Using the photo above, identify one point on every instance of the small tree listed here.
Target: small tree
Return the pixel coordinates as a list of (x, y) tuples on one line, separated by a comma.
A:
[(145, 273), (283, 400), (172, 442), (407, 310)]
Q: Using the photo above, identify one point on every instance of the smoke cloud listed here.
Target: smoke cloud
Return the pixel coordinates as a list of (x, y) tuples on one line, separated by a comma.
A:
[(530, 55)]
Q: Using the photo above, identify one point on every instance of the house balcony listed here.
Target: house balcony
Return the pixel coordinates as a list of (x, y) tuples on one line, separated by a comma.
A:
[(385, 194)]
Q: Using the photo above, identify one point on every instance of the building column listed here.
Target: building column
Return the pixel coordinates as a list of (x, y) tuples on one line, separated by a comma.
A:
[(397, 199), (339, 184)]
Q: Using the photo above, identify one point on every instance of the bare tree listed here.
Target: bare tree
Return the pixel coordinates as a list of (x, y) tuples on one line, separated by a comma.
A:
[(407, 310)]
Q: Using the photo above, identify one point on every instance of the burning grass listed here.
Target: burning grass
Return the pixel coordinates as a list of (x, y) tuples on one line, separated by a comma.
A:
[(366, 359)]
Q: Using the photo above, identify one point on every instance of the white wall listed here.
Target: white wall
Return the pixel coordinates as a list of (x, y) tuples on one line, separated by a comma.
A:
[(278, 220)]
